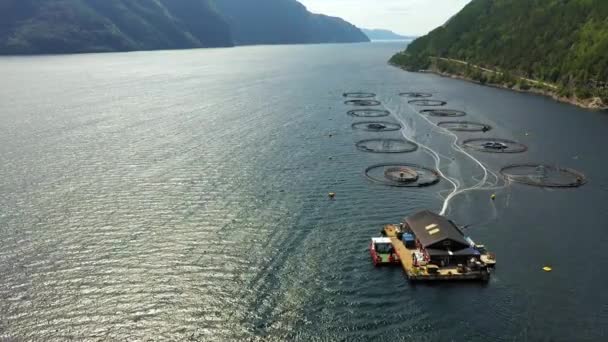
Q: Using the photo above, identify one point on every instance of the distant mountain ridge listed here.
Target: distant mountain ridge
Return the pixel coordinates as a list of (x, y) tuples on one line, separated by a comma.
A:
[(558, 47), (284, 22), (381, 34), (70, 26), (74, 26)]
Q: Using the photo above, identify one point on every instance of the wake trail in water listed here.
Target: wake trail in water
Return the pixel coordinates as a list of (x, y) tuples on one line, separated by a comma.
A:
[(490, 180)]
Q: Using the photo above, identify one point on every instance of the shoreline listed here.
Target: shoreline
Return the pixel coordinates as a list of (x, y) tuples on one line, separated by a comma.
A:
[(594, 104), (234, 46)]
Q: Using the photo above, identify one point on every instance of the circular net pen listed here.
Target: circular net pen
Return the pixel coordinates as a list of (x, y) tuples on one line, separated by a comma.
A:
[(428, 103), (545, 176), (402, 175), (443, 113), (415, 95), (376, 126), (362, 103), (493, 145), (386, 146), (464, 126), (369, 113), (359, 95)]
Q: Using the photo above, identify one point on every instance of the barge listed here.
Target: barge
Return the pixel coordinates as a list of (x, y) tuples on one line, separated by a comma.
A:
[(431, 247)]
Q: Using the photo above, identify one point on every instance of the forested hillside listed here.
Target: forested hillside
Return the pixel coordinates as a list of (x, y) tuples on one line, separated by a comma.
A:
[(65, 26), (563, 42), (72, 26)]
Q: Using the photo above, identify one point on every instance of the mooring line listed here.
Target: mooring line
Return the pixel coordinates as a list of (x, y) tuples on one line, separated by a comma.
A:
[(457, 187)]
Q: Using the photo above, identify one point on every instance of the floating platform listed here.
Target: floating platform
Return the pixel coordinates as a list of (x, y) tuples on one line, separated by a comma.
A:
[(429, 272)]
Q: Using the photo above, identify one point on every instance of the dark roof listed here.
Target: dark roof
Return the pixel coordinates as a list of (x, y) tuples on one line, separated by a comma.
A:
[(463, 252), (432, 230)]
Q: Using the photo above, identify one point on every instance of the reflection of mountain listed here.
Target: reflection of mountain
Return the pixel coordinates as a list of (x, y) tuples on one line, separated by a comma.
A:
[(70, 26)]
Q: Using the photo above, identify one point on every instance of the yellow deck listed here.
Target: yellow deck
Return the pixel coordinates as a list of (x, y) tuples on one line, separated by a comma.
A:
[(420, 273)]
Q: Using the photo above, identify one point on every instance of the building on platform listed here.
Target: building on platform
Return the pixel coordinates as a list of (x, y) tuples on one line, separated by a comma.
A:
[(441, 242)]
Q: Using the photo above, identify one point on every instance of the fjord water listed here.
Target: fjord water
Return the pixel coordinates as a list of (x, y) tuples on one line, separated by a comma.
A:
[(182, 195)]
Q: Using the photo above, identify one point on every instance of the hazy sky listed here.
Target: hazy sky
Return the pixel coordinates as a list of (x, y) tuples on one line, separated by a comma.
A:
[(409, 17)]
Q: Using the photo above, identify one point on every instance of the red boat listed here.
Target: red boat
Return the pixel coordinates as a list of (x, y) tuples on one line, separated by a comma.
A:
[(382, 251)]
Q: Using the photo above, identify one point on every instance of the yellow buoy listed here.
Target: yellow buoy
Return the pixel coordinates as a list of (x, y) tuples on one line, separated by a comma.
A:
[(332, 195), (547, 269), (493, 197)]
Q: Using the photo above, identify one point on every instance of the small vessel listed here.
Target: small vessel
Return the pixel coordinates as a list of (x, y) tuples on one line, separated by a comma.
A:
[(486, 257), (376, 126), (382, 252), (495, 145)]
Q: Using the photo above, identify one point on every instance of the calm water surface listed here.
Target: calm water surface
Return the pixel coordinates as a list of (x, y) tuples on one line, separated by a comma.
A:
[(182, 195)]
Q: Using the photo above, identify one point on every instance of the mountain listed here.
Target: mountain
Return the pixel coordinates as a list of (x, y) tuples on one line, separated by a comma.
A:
[(74, 26), (284, 22), (379, 34), (70, 26), (555, 46)]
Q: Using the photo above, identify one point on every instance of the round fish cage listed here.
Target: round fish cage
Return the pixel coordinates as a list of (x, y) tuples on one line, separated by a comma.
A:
[(415, 95), (545, 176), (369, 113), (376, 126), (363, 103), (359, 95), (464, 126), (443, 112), (386, 146), (402, 175), (428, 103), (495, 145)]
